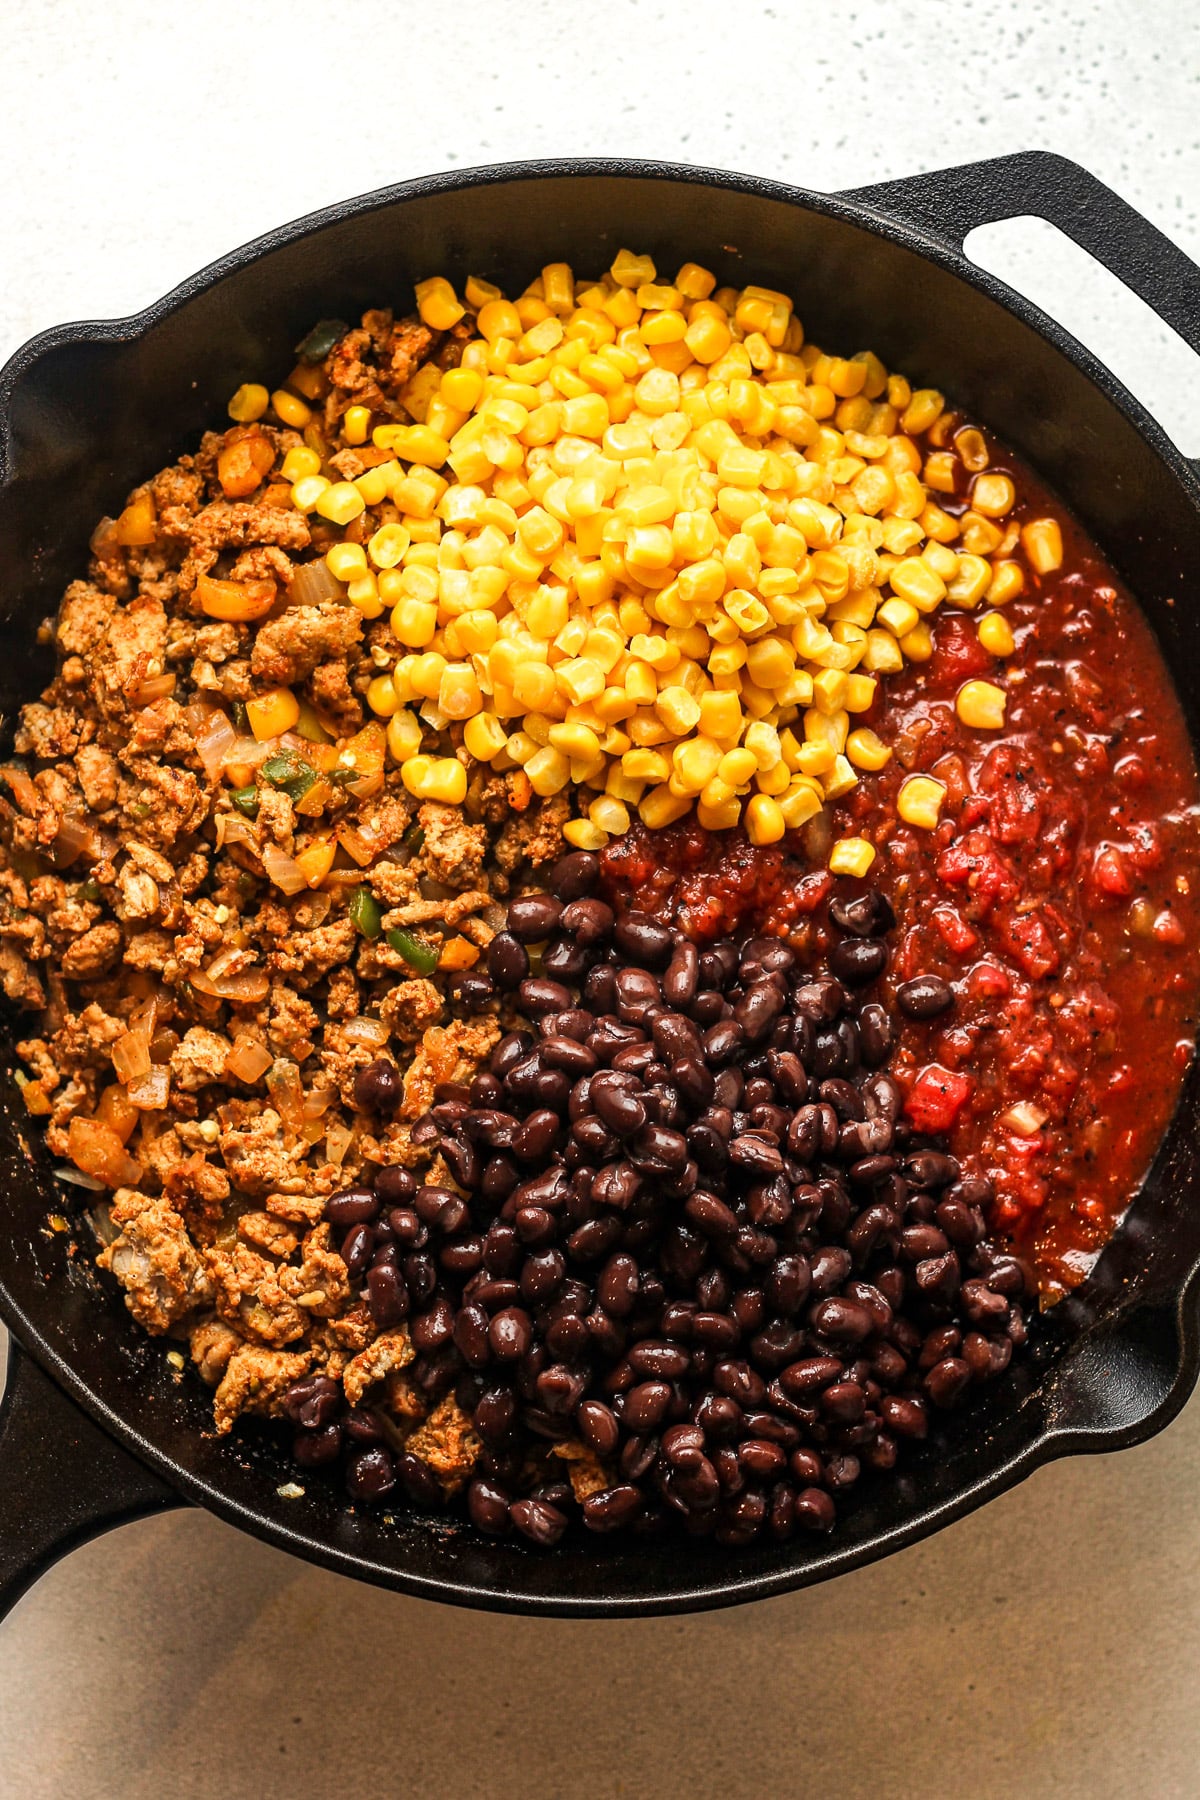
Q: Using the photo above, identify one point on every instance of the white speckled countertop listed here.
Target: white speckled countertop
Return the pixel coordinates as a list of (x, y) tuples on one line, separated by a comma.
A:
[(1044, 1647)]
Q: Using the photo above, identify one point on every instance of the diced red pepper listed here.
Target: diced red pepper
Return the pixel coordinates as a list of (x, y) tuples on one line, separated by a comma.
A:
[(936, 1098), (957, 654), (1145, 845), (974, 862)]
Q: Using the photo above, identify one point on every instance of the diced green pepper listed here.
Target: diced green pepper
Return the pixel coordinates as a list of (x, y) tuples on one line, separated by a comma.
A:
[(417, 955), (413, 838), (365, 913), (88, 890), (320, 340), (241, 718), (291, 773), (246, 800)]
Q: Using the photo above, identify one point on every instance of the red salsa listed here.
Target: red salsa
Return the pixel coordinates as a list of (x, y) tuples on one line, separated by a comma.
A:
[(1060, 895)]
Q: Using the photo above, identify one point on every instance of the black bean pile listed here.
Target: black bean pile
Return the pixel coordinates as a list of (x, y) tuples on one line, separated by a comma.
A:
[(690, 1229)]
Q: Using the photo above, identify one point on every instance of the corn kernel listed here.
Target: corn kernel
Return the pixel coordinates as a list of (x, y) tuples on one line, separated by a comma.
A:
[(340, 503), (403, 734), (851, 856), (913, 580), (249, 403), (438, 304), (382, 697), (307, 491), (414, 622), (993, 495), (291, 410), (917, 644), (484, 736), (661, 807), (300, 462), (919, 801), (1007, 582), (866, 751), (678, 710), (584, 835), (764, 821), (981, 704), (1043, 545), (435, 778), (995, 634)]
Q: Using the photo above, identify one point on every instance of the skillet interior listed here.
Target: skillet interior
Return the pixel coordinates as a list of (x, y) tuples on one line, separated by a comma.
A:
[(88, 411)]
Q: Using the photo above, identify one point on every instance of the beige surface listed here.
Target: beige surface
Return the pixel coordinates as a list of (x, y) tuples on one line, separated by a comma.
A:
[(1045, 1649)]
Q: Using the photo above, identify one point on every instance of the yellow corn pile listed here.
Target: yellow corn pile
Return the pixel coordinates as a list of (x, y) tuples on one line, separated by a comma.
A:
[(646, 540)]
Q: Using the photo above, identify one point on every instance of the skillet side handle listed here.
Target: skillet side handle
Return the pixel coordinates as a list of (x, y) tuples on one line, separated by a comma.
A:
[(62, 1480), (950, 203)]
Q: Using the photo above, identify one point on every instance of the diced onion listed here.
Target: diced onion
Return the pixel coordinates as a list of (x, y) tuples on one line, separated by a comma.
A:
[(248, 1059), (283, 869), (232, 828), (251, 985), (249, 752), (365, 1031), (364, 850), (21, 783), (317, 1102), (314, 582), (214, 741), (96, 1149), (131, 1056), (152, 1091), (77, 1178), (367, 788), (155, 687), (337, 1141), (75, 838), (1024, 1118), (287, 1095)]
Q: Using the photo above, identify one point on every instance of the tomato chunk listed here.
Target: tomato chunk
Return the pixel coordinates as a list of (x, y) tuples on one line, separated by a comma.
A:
[(936, 1098)]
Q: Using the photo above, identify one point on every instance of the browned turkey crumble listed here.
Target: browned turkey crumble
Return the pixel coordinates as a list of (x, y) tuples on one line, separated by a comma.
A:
[(138, 920)]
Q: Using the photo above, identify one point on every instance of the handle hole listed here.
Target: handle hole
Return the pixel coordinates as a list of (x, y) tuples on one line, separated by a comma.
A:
[(1050, 269)]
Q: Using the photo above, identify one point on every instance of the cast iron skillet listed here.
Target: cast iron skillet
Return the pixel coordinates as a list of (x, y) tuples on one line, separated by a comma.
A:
[(95, 1428)]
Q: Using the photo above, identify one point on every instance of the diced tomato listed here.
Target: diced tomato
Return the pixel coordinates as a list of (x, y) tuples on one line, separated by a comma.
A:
[(988, 981), (1026, 936), (936, 1098), (1167, 928), (954, 931), (975, 862), (1110, 873), (1145, 845), (957, 653)]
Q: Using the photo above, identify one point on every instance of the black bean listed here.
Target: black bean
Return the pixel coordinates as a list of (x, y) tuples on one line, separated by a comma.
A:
[(538, 995), (507, 962), (378, 1087), (589, 922), (353, 1206), (488, 1508), (612, 1508), (642, 939), (536, 1136), (387, 1297), (863, 914), (573, 875), (419, 1481), (313, 1402), (532, 917), (564, 960), (510, 1334), (947, 1381), (841, 1321), (370, 1474), (317, 1449), (540, 1522), (924, 997), (858, 960)]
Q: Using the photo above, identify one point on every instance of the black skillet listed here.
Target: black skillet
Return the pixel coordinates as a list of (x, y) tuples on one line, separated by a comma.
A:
[(96, 1427)]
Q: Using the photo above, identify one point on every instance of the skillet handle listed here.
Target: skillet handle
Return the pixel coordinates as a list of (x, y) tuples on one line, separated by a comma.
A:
[(949, 203), (62, 1480)]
